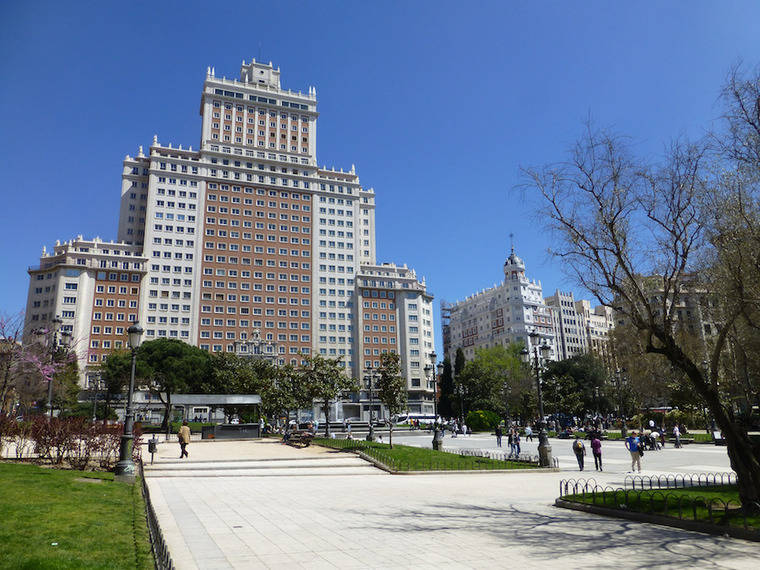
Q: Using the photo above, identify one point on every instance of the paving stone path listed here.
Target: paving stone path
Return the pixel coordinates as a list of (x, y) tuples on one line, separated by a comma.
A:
[(258, 504)]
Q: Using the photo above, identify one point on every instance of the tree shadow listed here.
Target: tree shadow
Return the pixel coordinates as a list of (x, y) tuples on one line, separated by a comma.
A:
[(559, 531)]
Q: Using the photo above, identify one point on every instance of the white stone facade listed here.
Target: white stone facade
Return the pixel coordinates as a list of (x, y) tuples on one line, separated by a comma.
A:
[(501, 315)]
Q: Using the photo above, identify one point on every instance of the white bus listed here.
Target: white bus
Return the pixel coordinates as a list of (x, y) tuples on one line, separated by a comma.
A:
[(408, 417)]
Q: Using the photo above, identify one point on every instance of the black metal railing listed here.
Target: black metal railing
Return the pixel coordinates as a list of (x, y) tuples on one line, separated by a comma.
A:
[(161, 555), (658, 500), (476, 459), (679, 480), (499, 455)]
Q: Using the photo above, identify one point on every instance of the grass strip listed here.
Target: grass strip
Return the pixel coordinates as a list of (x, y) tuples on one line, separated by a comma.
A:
[(408, 458), (70, 519), (691, 503)]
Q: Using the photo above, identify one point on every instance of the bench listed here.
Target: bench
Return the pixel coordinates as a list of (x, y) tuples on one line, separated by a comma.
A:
[(684, 440), (300, 438)]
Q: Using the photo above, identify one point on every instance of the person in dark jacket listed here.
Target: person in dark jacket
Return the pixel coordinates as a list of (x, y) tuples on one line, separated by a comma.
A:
[(580, 451), (596, 451)]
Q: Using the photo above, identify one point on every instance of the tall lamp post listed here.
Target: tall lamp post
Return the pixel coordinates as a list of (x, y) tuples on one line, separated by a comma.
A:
[(544, 449), (431, 370), (125, 468), (371, 375), (621, 405)]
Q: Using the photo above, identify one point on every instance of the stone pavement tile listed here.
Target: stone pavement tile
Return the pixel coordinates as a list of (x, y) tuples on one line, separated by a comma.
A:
[(340, 559), (264, 547), (316, 563), (280, 560), (246, 563)]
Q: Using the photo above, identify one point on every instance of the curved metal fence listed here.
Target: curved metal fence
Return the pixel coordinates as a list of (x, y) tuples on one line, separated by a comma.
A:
[(658, 499), (499, 455), (679, 480)]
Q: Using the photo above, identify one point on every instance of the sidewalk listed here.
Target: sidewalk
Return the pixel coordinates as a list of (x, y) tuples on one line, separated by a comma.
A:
[(214, 519)]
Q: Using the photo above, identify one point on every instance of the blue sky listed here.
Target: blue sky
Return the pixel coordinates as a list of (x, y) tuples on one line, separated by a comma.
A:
[(437, 103)]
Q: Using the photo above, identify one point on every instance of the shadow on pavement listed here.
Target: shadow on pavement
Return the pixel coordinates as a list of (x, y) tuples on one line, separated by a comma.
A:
[(568, 534)]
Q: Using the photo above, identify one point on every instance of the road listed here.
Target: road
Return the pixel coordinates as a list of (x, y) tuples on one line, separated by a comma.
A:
[(691, 458)]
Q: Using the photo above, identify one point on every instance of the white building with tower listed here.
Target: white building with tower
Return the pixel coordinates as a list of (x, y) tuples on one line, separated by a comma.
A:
[(500, 315)]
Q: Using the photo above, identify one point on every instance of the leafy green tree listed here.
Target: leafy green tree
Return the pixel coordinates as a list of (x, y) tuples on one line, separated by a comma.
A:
[(234, 374), (576, 385), (324, 379), (493, 377), (289, 392), (115, 373), (391, 387), (172, 366), (447, 397)]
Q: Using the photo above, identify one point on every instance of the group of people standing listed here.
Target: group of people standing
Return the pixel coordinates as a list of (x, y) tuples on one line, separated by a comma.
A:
[(596, 450), (633, 443), (513, 439)]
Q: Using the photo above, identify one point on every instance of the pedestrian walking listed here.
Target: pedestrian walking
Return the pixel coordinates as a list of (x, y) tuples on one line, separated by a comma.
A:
[(184, 439), (633, 445), (499, 434), (464, 428), (580, 451), (677, 435), (511, 442), (596, 451), (528, 433), (517, 442), (348, 425)]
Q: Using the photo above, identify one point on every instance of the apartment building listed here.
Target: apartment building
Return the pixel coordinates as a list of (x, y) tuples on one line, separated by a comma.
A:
[(503, 314), (395, 314), (94, 287), (248, 233), (579, 328)]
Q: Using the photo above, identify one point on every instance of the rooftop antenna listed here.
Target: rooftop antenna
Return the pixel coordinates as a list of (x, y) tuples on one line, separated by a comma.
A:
[(512, 243)]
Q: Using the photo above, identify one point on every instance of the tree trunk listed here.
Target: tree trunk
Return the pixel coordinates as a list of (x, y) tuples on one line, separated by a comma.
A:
[(390, 436), (742, 454), (327, 417), (166, 425)]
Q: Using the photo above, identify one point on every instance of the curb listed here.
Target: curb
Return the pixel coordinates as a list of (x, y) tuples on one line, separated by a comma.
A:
[(706, 528)]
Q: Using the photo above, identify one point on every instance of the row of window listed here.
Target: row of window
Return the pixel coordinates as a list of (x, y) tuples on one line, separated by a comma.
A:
[(231, 336), (179, 229), (250, 142), (165, 307), (259, 99), (121, 303)]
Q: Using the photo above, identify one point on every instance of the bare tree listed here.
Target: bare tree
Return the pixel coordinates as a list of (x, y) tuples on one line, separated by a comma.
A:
[(11, 355), (639, 237)]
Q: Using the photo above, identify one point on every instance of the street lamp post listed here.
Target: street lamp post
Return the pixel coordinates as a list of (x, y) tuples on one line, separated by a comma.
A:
[(125, 468), (369, 377), (621, 410), (544, 449), (431, 370)]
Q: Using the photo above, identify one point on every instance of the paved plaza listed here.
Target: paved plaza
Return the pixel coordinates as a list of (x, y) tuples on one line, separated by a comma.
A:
[(258, 504)]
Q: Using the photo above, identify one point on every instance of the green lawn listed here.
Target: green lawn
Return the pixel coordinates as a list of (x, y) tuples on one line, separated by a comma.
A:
[(406, 458), (51, 520), (693, 501)]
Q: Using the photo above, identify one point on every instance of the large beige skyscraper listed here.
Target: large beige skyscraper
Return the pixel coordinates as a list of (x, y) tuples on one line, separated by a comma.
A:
[(247, 237)]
